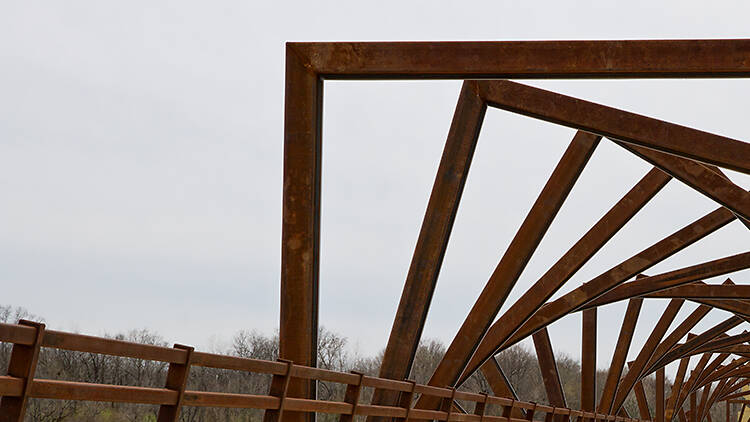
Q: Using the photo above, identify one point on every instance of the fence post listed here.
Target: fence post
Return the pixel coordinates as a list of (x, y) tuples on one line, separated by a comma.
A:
[(530, 412), (23, 359), (480, 409), (177, 377), (447, 404), (279, 388), (508, 410), (406, 399), (352, 397)]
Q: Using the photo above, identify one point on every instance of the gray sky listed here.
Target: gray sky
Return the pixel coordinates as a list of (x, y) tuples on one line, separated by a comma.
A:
[(141, 151)]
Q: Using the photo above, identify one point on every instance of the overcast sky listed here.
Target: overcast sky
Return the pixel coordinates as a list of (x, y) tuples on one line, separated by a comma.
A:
[(141, 153)]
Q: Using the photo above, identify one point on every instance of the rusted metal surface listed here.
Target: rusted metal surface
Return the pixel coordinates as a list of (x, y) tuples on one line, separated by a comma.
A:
[(300, 236), (514, 260), (588, 359), (627, 330), (548, 366), (692, 156), (433, 240)]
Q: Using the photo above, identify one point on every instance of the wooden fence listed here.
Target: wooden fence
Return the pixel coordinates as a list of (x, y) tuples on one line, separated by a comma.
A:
[(29, 337)]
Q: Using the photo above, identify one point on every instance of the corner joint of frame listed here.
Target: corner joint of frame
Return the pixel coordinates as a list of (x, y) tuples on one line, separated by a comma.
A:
[(303, 59)]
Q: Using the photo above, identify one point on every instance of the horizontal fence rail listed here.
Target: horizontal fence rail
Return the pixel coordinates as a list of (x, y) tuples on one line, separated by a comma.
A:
[(28, 338)]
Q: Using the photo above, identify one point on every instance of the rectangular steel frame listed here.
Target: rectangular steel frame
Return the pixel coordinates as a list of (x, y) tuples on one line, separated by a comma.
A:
[(308, 64)]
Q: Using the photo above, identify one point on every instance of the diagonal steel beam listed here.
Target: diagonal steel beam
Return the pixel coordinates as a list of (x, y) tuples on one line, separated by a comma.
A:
[(701, 290), (432, 242), (635, 369), (691, 344), (548, 366), (520, 250), (676, 386), (572, 301), (618, 124), (627, 330), (687, 275), (698, 177), (580, 253)]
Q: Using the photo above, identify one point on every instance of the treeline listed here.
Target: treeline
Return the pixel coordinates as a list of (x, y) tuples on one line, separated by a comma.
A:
[(519, 364)]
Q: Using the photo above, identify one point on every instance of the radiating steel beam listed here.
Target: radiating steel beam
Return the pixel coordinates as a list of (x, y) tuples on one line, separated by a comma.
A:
[(687, 275), (512, 263), (635, 370), (588, 360), (627, 330), (500, 385), (432, 242), (659, 407), (698, 177), (704, 291), (575, 299), (596, 237), (548, 367), (676, 386), (621, 125)]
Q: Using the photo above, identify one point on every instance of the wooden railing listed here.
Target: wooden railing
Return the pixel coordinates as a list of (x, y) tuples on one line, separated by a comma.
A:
[(29, 337)]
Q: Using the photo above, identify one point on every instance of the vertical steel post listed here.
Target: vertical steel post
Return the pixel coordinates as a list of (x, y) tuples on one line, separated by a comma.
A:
[(659, 406), (588, 360)]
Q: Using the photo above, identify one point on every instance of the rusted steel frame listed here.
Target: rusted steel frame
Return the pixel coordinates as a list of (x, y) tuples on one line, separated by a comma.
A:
[(596, 237), (500, 385), (699, 177), (729, 395), (527, 59), (635, 370), (736, 306), (676, 386), (588, 291), (177, 376), (621, 125), (672, 279), (727, 410), (699, 340), (512, 263), (702, 403), (737, 372), (732, 386), (672, 338), (588, 360), (742, 412), (720, 386), (659, 407), (308, 63), (704, 291), (721, 173), (22, 365), (550, 376), (690, 384), (682, 416), (433, 241), (640, 397), (720, 343), (737, 349), (729, 370), (300, 234), (711, 367), (627, 330), (693, 416)]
